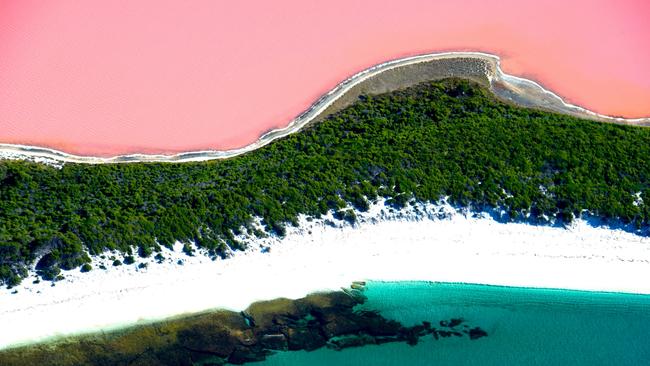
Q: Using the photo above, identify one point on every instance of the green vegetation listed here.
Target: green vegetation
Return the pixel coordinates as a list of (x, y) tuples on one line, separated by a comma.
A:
[(449, 138), (159, 258)]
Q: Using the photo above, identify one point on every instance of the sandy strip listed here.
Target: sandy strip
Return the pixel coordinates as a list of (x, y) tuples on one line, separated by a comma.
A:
[(508, 87), (436, 244)]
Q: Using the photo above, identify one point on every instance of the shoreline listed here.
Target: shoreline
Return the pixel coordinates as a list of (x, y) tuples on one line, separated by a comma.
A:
[(517, 90), (431, 243)]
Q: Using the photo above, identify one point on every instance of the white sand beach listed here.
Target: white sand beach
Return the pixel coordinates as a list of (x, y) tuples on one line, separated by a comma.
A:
[(435, 244)]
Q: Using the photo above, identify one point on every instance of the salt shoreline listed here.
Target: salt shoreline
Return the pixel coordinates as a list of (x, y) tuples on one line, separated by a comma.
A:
[(512, 88), (426, 243)]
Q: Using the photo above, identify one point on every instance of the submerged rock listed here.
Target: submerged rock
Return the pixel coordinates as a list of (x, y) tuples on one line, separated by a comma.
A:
[(455, 322), (476, 333), (353, 340), (275, 342)]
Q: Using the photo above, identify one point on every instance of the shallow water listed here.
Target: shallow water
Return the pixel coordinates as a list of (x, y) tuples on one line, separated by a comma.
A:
[(525, 327)]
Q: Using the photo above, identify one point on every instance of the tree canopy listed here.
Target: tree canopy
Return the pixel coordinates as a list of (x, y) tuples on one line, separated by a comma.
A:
[(448, 138)]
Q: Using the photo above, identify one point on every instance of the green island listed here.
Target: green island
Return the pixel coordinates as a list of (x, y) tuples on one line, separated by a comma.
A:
[(449, 138)]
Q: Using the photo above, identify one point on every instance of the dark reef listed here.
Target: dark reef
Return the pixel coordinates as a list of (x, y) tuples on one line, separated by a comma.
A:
[(220, 337)]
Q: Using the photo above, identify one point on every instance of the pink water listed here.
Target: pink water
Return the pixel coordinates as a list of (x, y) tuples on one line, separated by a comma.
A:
[(113, 77)]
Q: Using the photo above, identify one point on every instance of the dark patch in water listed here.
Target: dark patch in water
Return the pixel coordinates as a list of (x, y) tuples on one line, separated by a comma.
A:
[(220, 337)]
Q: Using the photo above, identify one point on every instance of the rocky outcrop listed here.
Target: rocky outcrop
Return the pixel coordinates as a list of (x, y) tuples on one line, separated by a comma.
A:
[(330, 320)]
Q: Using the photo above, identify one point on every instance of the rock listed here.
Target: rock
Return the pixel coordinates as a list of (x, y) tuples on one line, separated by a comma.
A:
[(247, 339), (265, 314), (274, 342), (305, 339), (243, 355), (336, 325), (356, 295), (204, 338), (420, 330), (376, 325), (339, 343), (411, 338), (387, 339), (455, 322), (476, 333)]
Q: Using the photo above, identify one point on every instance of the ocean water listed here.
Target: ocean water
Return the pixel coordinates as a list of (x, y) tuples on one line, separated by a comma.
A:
[(525, 327)]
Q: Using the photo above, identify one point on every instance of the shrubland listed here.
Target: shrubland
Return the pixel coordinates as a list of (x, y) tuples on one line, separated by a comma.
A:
[(450, 138)]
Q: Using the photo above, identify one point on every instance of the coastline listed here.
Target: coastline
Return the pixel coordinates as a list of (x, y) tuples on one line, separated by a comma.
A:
[(506, 87), (421, 243)]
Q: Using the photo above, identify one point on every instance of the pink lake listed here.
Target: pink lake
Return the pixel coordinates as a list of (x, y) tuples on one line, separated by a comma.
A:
[(115, 77)]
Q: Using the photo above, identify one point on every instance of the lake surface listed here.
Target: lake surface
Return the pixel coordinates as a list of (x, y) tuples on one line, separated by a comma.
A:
[(525, 327), (115, 77)]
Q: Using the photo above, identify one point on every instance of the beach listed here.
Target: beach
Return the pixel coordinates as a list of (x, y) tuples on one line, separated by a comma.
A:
[(432, 242)]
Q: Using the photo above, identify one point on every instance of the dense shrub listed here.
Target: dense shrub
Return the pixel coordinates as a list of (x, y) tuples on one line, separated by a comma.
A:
[(448, 138), (86, 268)]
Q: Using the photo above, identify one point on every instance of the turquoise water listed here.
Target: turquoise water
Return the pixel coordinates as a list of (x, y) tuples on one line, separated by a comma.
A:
[(525, 327)]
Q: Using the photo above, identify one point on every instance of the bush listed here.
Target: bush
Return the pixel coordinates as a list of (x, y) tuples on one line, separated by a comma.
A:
[(444, 139), (49, 273), (187, 249), (347, 215)]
